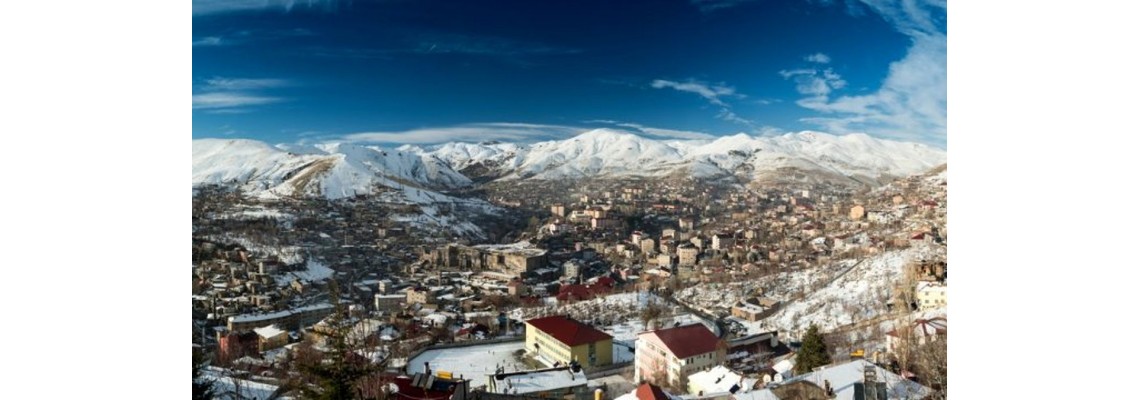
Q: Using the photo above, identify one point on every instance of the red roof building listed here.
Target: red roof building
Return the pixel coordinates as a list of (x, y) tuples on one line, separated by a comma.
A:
[(560, 340), (568, 331), (647, 391), (689, 340), (675, 353)]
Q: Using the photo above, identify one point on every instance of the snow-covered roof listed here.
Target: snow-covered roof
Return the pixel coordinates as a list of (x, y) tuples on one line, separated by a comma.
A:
[(268, 331), (843, 377), (756, 395), (278, 314), (719, 379), (540, 381), (923, 285), (784, 366)]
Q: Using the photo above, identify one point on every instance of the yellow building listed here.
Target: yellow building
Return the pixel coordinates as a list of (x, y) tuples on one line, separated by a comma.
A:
[(930, 295), (561, 339), (270, 337)]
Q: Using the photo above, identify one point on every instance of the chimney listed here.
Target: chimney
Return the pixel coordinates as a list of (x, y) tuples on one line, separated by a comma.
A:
[(870, 389)]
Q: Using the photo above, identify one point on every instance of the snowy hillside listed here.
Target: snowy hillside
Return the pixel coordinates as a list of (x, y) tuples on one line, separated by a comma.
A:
[(607, 152), (330, 170), (336, 170), (861, 294)]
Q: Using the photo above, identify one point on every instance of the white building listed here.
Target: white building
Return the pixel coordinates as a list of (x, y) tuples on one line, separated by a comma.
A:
[(675, 353), (930, 295)]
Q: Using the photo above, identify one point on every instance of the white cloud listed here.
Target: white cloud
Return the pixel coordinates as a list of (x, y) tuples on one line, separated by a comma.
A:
[(662, 133), (230, 95), (223, 100), (911, 102), (209, 41), (818, 58), (476, 132), (730, 116), (815, 82), (711, 92), (514, 132), (205, 7), (218, 83), (707, 6)]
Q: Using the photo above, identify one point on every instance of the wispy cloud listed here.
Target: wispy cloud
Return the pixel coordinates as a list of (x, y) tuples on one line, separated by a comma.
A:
[(714, 93), (232, 38), (230, 100), (208, 41), (818, 58), (218, 83), (475, 132), (710, 92), (911, 102), (707, 6), (208, 7), (656, 133), (815, 82), (514, 132), (436, 43), (234, 95)]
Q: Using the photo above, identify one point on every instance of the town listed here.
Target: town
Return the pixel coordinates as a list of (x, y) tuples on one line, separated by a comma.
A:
[(625, 288)]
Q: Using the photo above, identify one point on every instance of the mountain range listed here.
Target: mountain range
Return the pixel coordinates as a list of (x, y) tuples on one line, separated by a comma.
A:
[(418, 173)]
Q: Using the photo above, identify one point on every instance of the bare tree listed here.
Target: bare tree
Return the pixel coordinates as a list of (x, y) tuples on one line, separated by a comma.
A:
[(652, 311), (929, 363)]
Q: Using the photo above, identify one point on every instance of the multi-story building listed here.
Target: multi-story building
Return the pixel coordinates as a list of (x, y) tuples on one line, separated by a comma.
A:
[(930, 295), (270, 337), (675, 353), (687, 255), (288, 319), (389, 302), (721, 241), (562, 339), (421, 295)]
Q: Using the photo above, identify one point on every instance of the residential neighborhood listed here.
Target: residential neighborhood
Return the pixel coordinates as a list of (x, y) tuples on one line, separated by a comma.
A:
[(693, 291)]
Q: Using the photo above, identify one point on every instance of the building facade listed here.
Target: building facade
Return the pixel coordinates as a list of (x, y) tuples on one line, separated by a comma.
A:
[(669, 356), (559, 339)]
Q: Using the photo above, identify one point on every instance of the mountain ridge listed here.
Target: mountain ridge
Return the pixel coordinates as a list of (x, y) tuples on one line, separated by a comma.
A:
[(344, 169)]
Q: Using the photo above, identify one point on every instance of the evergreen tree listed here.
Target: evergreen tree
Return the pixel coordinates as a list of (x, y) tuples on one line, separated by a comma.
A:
[(203, 389), (813, 353)]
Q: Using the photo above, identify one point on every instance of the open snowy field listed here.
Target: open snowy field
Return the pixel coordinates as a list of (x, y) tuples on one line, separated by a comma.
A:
[(472, 362)]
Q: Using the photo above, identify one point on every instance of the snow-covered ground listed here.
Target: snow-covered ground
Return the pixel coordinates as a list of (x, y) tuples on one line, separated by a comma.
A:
[(860, 295), (288, 254), (249, 212), (229, 388), (832, 296), (314, 271), (472, 362)]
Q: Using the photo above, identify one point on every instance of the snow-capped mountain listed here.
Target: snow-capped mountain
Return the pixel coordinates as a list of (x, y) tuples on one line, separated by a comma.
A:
[(606, 152), (329, 170), (336, 170)]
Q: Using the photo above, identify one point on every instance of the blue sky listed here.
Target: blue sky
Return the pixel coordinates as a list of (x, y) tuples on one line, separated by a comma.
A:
[(430, 72)]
